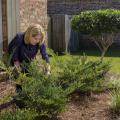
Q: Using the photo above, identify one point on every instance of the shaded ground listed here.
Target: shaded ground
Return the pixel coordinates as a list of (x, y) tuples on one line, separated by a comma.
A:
[(112, 52)]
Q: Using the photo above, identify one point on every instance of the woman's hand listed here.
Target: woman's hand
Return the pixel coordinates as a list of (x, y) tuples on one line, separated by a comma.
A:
[(48, 69), (17, 66), (16, 63)]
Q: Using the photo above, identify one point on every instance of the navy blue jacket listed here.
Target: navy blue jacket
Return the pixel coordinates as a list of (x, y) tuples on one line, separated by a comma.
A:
[(20, 51)]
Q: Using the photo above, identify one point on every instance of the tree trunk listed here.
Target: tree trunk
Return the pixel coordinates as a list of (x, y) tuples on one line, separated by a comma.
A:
[(103, 54)]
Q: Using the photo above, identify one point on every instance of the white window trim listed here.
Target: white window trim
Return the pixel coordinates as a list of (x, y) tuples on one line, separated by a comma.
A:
[(1, 37), (13, 18)]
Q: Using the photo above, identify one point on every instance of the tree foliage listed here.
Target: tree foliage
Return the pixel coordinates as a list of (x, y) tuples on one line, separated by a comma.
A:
[(101, 25)]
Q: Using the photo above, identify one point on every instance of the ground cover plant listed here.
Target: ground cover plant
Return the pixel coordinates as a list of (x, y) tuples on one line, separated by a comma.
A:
[(47, 96), (19, 114)]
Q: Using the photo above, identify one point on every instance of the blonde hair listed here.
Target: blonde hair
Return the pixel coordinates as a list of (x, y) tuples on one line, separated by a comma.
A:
[(32, 31)]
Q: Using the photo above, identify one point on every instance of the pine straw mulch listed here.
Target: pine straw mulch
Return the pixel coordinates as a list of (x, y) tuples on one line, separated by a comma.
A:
[(7, 90), (94, 107)]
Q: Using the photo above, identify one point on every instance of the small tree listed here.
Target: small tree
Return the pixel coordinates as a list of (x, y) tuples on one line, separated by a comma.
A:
[(101, 25)]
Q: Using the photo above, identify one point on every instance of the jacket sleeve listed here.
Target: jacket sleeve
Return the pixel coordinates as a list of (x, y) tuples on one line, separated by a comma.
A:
[(44, 53), (14, 47)]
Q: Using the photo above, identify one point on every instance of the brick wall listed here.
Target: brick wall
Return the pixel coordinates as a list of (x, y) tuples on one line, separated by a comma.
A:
[(75, 6), (31, 12)]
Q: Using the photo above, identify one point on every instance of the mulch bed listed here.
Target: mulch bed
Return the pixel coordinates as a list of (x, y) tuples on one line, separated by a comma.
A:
[(6, 90), (95, 107)]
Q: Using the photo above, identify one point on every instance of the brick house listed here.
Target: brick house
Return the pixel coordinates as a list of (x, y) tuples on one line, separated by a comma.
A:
[(53, 15), (60, 13)]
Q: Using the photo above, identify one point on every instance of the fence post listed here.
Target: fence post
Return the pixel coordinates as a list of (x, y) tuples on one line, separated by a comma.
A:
[(59, 32), (49, 35), (1, 36), (67, 32)]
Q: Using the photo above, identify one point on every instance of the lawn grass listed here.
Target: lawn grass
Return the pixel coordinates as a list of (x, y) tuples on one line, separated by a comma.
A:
[(113, 55), (115, 62)]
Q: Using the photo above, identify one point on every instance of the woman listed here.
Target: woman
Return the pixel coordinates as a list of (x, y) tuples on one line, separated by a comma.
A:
[(24, 47)]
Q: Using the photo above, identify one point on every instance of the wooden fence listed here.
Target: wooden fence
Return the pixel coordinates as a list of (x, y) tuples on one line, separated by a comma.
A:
[(61, 37)]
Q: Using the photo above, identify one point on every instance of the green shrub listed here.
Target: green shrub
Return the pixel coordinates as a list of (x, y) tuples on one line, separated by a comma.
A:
[(93, 76), (96, 22), (7, 71), (85, 77), (116, 100), (48, 94), (42, 94), (19, 115)]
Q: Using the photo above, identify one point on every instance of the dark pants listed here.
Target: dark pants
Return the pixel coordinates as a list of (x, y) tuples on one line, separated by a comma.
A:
[(18, 88)]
